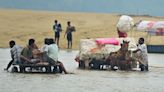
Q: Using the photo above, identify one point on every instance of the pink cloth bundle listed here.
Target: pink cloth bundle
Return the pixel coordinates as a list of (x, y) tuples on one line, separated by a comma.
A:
[(103, 41)]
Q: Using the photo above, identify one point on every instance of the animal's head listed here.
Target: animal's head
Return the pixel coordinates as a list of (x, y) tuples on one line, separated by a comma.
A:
[(125, 45)]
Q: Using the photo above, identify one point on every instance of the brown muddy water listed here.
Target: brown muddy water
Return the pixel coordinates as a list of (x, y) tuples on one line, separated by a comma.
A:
[(84, 80)]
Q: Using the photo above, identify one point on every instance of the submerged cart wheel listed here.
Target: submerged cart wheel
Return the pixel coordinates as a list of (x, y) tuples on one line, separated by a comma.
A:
[(14, 69), (22, 69), (81, 64), (48, 69)]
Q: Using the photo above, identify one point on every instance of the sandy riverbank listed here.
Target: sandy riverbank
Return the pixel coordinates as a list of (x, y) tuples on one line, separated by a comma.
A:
[(21, 25)]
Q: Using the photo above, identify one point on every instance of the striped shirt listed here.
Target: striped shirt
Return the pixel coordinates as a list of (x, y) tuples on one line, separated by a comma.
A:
[(15, 52)]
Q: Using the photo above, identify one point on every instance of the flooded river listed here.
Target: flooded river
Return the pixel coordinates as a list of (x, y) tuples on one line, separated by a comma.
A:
[(84, 80)]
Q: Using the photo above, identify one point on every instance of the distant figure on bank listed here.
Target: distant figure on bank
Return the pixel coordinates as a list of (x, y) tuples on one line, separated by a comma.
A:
[(121, 34), (68, 32), (15, 54), (142, 51), (57, 29)]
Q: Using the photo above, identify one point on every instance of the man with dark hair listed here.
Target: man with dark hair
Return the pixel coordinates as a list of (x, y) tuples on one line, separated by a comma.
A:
[(53, 56), (45, 46), (27, 55), (68, 32), (55, 26), (31, 41), (142, 52), (15, 54), (57, 29)]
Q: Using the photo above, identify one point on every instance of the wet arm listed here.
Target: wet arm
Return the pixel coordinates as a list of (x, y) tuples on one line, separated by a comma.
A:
[(65, 35), (66, 32), (135, 51), (12, 55), (35, 46), (24, 58)]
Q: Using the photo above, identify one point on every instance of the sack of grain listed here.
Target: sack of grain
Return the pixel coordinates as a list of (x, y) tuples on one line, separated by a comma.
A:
[(125, 23)]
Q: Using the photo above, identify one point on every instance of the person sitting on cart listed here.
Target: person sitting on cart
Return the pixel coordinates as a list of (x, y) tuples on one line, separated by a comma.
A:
[(52, 58), (15, 54), (44, 48), (27, 53)]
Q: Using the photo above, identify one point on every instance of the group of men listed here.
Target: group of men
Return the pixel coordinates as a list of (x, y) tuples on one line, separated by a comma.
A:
[(48, 53), (58, 28), (32, 55)]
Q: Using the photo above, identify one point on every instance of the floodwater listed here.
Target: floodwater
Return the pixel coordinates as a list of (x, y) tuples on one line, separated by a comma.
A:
[(84, 80), (136, 7)]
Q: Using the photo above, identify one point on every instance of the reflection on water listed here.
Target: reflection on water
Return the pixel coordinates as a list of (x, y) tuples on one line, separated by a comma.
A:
[(83, 80)]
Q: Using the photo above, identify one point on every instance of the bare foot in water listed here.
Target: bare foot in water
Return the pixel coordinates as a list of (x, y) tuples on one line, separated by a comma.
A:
[(5, 69), (69, 73)]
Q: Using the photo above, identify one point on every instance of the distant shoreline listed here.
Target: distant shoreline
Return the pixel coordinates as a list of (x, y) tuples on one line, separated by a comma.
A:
[(50, 11), (150, 16)]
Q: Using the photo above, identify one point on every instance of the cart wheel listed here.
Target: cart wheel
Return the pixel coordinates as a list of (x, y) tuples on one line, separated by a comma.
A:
[(14, 69), (48, 69), (22, 69), (82, 64)]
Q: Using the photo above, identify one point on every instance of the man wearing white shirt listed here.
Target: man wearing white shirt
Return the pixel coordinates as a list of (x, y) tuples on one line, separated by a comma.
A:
[(53, 55), (142, 51)]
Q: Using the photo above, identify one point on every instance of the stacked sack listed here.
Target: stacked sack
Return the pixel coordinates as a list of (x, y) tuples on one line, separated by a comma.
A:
[(89, 48), (125, 23)]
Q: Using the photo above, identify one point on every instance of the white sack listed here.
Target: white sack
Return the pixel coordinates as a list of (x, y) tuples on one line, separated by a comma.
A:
[(125, 23)]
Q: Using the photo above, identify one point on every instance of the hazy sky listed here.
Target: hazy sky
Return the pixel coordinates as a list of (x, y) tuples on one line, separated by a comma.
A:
[(150, 7)]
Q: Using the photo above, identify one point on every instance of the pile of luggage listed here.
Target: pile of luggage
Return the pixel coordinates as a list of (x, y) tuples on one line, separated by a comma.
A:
[(99, 49)]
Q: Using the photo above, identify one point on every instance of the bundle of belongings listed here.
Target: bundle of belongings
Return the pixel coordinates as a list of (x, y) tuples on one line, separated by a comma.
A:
[(125, 23), (100, 48)]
